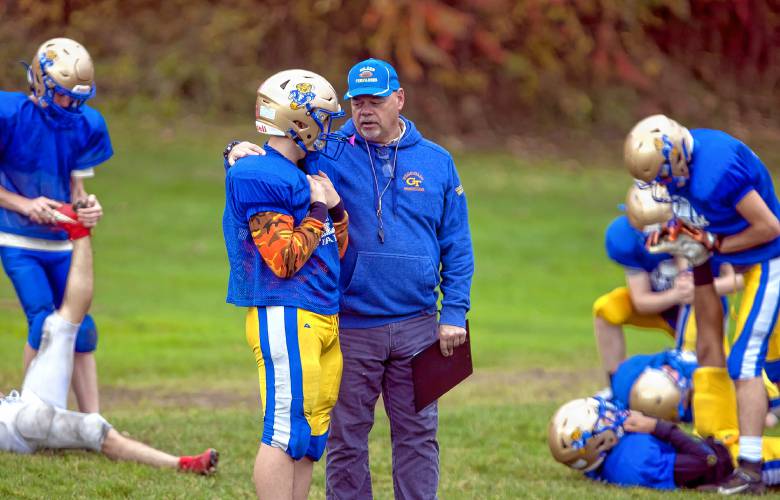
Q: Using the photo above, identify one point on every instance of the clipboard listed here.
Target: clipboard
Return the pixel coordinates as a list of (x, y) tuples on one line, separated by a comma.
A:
[(434, 374)]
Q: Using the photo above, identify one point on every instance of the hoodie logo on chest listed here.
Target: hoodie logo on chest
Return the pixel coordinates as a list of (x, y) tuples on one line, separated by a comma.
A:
[(413, 181)]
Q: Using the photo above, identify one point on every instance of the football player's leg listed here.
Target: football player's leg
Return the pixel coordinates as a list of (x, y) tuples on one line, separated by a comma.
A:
[(27, 271), (272, 333), (118, 447), (84, 381), (413, 435), (50, 372), (755, 325)]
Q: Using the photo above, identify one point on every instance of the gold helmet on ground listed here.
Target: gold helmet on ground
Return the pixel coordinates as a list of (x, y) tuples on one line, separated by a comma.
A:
[(658, 147), (583, 430), (301, 105), (643, 208), (656, 394), (62, 66)]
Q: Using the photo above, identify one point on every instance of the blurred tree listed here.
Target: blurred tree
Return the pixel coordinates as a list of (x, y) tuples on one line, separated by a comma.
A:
[(471, 65)]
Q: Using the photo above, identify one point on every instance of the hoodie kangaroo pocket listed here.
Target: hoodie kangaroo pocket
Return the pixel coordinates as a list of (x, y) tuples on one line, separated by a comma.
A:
[(390, 285)]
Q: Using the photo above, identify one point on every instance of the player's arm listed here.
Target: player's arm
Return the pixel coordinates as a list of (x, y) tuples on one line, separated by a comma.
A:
[(90, 211), (340, 219), (647, 301), (40, 210), (284, 247), (728, 280), (764, 226)]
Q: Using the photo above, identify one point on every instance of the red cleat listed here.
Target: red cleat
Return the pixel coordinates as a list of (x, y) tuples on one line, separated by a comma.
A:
[(204, 464), (67, 219)]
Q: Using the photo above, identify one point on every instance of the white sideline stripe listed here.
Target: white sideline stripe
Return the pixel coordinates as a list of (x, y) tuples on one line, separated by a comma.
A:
[(277, 341), (763, 321), (18, 241)]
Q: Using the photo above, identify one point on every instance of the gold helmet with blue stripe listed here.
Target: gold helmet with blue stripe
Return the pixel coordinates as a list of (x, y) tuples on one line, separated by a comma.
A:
[(62, 66), (658, 150)]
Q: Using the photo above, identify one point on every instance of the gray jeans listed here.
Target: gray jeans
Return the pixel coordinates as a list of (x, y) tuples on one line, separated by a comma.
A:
[(379, 360)]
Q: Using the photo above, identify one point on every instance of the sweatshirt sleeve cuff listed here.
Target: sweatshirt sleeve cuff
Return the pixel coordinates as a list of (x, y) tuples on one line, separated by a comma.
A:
[(452, 315), (663, 430), (319, 211), (337, 213)]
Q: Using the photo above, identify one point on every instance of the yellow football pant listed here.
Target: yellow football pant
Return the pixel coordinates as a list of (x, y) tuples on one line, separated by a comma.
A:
[(299, 364)]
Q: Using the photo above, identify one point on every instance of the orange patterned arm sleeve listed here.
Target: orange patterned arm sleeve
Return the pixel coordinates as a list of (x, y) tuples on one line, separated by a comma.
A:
[(285, 248), (342, 234)]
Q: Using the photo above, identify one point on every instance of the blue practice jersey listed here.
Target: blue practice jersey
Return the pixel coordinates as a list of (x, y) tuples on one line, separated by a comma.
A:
[(38, 156), (638, 460), (723, 170), (272, 183), (626, 246), (630, 369)]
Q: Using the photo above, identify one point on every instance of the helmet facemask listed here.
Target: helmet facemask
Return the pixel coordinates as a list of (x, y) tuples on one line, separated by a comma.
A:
[(582, 431)]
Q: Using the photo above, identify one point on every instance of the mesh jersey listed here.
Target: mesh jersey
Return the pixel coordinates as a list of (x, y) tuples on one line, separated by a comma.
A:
[(271, 183), (626, 246), (38, 156), (723, 171)]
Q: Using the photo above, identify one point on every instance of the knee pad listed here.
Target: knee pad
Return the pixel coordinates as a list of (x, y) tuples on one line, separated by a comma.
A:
[(35, 331), (44, 426), (87, 337), (34, 421)]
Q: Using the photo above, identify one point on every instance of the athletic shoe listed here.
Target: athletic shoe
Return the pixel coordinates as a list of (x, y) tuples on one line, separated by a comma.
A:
[(743, 481), (67, 219), (205, 463)]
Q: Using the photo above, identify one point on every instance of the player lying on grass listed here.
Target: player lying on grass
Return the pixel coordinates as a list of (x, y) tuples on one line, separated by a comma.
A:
[(37, 418), (629, 448)]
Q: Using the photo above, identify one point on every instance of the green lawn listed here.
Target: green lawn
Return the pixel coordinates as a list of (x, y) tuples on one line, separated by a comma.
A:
[(175, 370)]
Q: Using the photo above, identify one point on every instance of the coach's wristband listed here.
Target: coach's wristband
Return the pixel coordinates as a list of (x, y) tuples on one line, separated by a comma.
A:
[(318, 210), (338, 212), (702, 274)]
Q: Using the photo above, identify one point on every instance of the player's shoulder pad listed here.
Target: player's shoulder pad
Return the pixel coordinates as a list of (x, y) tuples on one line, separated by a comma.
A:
[(11, 102), (622, 241)]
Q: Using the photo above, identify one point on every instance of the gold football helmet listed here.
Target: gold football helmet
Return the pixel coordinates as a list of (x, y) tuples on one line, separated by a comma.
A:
[(644, 209), (656, 394), (583, 430), (62, 66), (301, 105), (658, 149)]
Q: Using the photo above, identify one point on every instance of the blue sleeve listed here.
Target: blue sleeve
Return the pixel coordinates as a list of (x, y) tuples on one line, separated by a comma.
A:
[(254, 195), (625, 245), (457, 256), (740, 178), (8, 109), (97, 147)]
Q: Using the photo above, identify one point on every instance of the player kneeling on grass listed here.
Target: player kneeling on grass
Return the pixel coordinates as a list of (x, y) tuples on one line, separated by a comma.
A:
[(37, 418)]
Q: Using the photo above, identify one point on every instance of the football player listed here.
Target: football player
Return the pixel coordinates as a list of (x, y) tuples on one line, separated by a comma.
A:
[(50, 141), (733, 194), (37, 418), (659, 288), (285, 230), (629, 448)]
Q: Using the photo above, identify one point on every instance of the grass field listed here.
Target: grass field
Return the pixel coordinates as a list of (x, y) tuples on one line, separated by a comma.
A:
[(176, 373)]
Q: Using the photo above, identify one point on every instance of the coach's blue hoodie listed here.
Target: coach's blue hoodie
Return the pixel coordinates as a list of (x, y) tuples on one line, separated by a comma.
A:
[(427, 242)]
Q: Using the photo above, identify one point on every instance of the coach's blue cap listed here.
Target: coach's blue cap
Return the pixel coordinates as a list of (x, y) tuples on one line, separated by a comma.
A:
[(371, 77)]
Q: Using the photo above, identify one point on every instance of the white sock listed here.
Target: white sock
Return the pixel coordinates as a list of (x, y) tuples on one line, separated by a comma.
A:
[(750, 448), (50, 372)]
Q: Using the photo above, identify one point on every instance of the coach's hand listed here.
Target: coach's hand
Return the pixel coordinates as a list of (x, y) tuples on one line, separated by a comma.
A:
[(89, 211), (451, 337), (40, 210), (243, 149)]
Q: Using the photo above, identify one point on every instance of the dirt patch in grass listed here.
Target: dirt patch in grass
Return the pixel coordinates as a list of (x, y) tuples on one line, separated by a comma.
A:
[(485, 386)]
